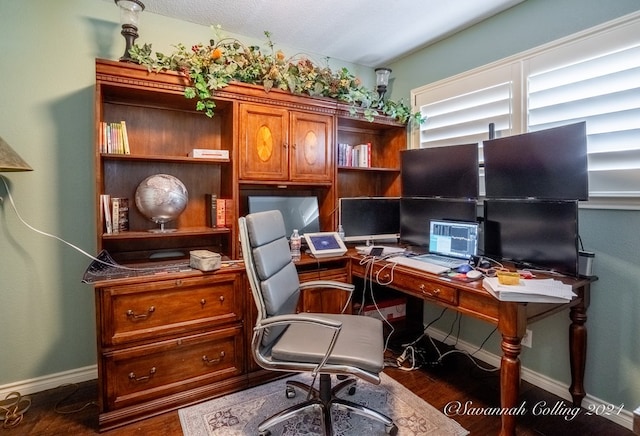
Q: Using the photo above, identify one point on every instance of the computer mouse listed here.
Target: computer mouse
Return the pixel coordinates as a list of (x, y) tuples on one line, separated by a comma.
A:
[(474, 274), (464, 268)]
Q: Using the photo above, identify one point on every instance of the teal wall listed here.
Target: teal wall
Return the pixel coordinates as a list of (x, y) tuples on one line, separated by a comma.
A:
[(47, 70), (46, 114), (613, 364)]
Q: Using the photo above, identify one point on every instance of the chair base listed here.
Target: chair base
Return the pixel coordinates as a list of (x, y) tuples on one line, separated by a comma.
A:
[(325, 398)]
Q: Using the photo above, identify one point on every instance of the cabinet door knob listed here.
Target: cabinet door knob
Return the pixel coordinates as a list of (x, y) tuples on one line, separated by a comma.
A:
[(208, 361), (132, 375), (137, 317)]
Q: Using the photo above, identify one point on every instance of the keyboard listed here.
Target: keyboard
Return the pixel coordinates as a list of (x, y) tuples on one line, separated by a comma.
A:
[(419, 264), (443, 260)]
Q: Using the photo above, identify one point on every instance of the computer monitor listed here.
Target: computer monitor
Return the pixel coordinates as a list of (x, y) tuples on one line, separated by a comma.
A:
[(535, 233), (417, 213), (298, 212), (547, 164), (370, 218), (448, 171)]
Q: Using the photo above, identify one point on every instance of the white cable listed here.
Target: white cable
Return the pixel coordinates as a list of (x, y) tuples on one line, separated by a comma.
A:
[(15, 209)]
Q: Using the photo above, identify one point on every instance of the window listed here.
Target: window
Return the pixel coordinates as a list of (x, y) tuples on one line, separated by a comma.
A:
[(592, 76)]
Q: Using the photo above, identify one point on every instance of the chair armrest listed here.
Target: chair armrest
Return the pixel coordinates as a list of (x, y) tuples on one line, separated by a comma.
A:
[(306, 318), (348, 287), (298, 318)]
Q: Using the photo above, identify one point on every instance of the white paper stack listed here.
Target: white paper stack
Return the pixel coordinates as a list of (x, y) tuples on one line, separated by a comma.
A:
[(534, 290)]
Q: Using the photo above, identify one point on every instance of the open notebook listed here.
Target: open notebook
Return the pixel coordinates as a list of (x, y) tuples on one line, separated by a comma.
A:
[(451, 244)]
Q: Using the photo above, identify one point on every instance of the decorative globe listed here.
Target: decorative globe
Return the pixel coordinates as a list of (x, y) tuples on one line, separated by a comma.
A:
[(161, 198)]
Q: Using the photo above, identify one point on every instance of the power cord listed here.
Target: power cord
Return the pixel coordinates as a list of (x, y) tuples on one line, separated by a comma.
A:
[(412, 353), (59, 410), (80, 250)]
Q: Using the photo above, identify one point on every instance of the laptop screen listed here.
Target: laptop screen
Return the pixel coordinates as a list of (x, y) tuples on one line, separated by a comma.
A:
[(453, 238)]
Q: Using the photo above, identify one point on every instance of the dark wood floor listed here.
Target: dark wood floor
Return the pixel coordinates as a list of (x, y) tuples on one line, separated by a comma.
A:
[(456, 380)]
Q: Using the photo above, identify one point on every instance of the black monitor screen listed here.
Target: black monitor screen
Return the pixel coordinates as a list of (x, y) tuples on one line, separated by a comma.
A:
[(370, 218), (417, 213), (448, 171), (547, 164), (300, 213), (542, 234)]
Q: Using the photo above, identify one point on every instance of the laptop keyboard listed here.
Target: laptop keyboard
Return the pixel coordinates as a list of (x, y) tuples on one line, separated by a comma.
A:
[(444, 261), (419, 264)]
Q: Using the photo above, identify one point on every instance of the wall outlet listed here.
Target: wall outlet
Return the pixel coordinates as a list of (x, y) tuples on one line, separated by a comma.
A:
[(527, 339)]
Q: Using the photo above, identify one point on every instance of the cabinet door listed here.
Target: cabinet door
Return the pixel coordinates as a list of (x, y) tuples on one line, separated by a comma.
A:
[(324, 300), (263, 143), (311, 147)]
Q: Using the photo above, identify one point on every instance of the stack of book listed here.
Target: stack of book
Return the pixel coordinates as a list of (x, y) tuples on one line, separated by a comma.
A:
[(220, 211), (114, 138), (114, 213), (530, 290), (354, 155)]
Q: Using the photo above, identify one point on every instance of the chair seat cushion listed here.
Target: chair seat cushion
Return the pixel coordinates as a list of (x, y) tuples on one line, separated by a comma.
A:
[(359, 344)]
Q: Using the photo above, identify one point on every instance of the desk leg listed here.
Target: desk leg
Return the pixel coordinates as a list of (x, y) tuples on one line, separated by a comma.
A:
[(509, 382), (578, 351), (512, 324)]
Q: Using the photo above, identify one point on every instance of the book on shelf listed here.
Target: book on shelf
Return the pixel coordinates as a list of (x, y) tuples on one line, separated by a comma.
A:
[(205, 153), (210, 202), (119, 214), (114, 138), (530, 290), (224, 212), (354, 155), (105, 213)]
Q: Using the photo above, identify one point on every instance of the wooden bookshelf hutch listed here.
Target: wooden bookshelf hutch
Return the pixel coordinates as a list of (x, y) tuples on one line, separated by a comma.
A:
[(168, 340)]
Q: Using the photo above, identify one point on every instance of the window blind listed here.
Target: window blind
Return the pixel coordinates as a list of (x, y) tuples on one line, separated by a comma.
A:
[(605, 91), (459, 112), (592, 76)]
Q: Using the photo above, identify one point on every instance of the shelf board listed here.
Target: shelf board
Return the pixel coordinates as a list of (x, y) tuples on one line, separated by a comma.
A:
[(160, 158), (186, 231), (374, 169)]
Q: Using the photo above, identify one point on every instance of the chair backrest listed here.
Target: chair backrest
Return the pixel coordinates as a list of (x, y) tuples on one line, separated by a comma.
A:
[(271, 272)]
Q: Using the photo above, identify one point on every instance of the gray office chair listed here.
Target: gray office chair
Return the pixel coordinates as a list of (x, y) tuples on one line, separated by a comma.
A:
[(320, 344)]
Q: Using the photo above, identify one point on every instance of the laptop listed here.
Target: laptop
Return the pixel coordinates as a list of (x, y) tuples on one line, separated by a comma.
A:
[(451, 243)]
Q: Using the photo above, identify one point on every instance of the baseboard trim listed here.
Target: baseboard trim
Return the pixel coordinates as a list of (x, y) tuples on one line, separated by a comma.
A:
[(51, 381), (624, 418)]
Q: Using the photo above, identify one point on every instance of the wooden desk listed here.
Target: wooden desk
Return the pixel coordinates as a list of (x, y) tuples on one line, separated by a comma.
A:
[(511, 318)]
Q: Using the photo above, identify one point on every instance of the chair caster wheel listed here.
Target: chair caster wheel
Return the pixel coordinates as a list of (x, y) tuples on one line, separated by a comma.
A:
[(264, 433), (393, 430), (352, 390), (290, 393)]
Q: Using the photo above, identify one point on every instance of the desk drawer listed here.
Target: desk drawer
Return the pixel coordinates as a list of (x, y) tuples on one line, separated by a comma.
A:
[(147, 311), (427, 289), (416, 284), (148, 372)]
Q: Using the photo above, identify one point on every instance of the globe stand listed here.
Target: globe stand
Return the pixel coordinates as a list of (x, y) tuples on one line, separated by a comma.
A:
[(162, 229)]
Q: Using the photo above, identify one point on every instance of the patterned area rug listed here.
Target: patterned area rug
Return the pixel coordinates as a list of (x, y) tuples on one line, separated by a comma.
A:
[(239, 414)]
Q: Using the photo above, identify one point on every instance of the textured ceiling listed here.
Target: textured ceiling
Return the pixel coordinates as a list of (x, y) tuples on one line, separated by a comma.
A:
[(366, 32)]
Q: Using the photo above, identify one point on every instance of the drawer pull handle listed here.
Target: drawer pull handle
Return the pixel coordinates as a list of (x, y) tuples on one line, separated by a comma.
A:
[(221, 298), (426, 291), (203, 302), (132, 375), (208, 361), (131, 314)]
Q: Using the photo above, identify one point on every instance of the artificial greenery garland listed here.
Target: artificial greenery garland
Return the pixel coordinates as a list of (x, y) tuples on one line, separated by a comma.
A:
[(214, 66)]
